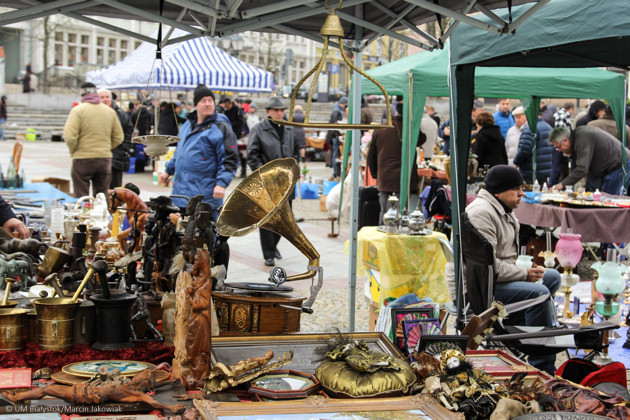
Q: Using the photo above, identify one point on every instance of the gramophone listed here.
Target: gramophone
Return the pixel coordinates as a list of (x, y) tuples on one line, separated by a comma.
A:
[(261, 200)]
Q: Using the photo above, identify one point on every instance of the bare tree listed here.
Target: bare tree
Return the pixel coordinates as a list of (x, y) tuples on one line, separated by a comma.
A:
[(46, 36)]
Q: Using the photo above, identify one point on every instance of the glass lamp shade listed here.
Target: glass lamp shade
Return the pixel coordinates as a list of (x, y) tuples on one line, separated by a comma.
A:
[(569, 249), (609, 281), (525, 261)]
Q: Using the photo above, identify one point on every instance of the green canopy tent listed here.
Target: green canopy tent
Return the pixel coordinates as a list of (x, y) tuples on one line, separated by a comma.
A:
[(562, 33), (426, 74)]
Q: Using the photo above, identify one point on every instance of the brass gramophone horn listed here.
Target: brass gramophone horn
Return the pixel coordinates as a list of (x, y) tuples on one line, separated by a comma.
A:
[(261, 200)]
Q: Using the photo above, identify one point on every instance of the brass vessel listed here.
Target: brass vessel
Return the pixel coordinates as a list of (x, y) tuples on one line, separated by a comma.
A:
[(55, 321), (12, 328), (54, 259)]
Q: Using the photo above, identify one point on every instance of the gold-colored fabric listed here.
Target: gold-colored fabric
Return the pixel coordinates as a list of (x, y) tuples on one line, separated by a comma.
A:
[(356, 371), (406, 264)]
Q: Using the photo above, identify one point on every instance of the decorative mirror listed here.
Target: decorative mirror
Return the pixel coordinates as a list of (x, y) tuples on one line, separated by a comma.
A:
[(284, 384)]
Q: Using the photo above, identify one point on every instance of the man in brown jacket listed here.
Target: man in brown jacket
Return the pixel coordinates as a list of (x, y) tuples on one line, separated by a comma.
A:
[(384, 160), (92, 130)]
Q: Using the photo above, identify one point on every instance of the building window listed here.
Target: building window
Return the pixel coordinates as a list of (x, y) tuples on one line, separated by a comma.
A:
[(83, 58), (100, 56), (59, 36), (111, 56), (124, 45), (72, 53), (100, 41), (58, 54), (85, 39)]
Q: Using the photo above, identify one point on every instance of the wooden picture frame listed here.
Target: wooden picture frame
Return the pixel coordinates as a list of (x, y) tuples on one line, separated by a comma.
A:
[(362, 408), (501, 365), (415, 328), (231, 350), (460, 341), (405, 313)]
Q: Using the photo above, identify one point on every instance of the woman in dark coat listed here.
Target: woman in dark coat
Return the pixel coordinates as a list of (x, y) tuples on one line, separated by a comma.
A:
[(489, 145)]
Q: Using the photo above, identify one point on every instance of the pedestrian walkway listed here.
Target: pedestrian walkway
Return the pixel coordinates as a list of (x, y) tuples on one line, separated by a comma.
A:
[(51, 159)]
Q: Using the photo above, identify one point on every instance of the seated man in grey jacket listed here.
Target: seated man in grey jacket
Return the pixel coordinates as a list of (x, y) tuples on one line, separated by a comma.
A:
[(492, 214)]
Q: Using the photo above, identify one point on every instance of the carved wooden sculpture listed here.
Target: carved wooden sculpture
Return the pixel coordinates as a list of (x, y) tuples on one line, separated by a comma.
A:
[(137, 212), (86, 393), (198, 339)]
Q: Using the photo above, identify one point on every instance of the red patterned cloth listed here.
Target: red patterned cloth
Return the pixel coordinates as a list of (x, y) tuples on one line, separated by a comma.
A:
[(35, 358)]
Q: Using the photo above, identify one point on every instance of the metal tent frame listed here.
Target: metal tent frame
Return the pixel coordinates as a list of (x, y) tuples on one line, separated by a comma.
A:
[(362, 20)]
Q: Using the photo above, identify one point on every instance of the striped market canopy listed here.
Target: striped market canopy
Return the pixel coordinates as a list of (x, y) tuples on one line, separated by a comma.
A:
[(183, 66)]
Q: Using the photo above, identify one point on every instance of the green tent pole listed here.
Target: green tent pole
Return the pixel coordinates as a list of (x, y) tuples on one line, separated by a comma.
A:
[(532, 108), (461, 90)]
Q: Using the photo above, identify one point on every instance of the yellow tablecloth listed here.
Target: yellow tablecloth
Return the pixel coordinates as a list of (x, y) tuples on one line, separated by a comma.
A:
[(406, 263)]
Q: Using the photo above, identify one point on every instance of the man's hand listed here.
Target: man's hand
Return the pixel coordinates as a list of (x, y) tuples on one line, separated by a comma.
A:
[(534, 274), (219, 192), (15, 225), (557, 187), (163, 178)]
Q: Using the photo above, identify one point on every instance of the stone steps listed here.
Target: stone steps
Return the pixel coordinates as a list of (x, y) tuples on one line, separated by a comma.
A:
[(50, 122)]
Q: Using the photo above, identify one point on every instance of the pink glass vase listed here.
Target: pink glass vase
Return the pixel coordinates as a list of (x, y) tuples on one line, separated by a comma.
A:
[(569, 250)]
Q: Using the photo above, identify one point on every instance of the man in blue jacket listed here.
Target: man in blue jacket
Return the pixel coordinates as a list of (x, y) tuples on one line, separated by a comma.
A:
[(205, 160), (544, 153), (503, 117)]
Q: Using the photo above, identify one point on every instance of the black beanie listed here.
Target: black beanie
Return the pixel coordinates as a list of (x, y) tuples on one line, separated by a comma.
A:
[(502, 178), (201, 91)]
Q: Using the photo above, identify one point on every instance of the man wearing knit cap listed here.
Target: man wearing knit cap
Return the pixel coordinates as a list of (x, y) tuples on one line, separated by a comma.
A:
[(492, 214), (205, 159), (269, 141), (91, 131)]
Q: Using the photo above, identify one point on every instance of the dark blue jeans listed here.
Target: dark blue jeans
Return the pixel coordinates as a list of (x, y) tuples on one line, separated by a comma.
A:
[(539, 315), (610, 183)]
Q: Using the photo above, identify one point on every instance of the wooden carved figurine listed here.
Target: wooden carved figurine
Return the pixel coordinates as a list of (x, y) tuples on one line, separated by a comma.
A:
[(183, 309), (87, 393), (137, 212), (164, 241), (198, 339)]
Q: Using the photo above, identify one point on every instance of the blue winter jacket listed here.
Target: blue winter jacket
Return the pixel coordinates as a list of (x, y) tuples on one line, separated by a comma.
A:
[(544, 153), (504, 121), (203, 159)]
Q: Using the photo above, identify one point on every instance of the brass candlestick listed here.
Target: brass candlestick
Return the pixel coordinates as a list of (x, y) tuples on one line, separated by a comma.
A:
[(568, 280)]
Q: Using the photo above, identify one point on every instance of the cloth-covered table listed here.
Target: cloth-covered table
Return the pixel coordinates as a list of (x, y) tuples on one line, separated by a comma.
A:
[(608, 225), (394, 265), (43, 192)]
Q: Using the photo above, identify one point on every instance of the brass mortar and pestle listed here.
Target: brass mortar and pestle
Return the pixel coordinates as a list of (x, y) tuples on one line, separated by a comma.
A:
[(55, 316), (6, 303), (11, 322)]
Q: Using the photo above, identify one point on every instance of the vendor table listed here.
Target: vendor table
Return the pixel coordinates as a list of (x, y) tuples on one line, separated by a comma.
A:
[(395, 264), (608, 225), (37, 194)]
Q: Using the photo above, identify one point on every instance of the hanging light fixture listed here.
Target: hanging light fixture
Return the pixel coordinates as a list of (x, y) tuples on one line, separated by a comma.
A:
[(332, 28), (156, 144)]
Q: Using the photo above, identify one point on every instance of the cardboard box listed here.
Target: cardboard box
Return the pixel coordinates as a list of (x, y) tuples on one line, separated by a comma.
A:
[(59, 183)]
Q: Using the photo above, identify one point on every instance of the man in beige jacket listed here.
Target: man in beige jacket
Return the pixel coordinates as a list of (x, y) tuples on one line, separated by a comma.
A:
[(92, 130)]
